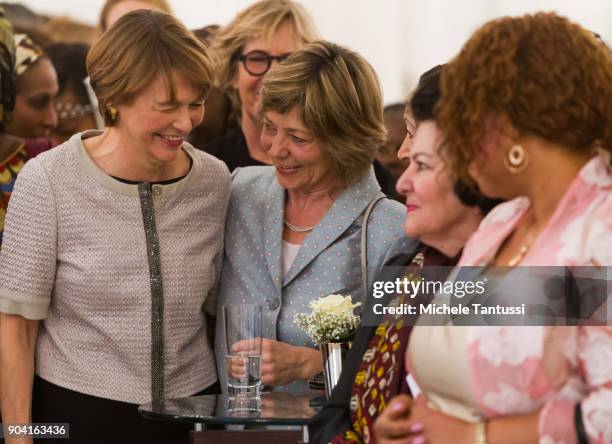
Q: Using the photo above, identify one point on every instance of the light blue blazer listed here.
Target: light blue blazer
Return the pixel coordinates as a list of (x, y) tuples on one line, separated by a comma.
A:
[(328, 260)]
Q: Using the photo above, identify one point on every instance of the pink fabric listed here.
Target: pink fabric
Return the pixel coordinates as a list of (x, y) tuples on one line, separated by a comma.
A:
[(517, 370)]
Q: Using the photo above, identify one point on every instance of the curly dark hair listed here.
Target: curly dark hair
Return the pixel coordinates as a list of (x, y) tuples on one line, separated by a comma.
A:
[(541, 73)]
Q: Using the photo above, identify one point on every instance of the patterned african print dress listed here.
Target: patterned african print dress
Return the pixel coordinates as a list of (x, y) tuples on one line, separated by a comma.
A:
[(381, 374), (9, 168)]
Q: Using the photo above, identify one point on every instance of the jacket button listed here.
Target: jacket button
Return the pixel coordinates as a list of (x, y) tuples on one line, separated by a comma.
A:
[(274, 304)]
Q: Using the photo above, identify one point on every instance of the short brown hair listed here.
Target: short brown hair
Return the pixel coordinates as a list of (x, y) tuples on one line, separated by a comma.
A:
[(542, 74), (261, 19), (160, 5), (337, 96), (136, 49)]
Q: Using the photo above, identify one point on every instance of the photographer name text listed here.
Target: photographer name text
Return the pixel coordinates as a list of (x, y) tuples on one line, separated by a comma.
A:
[(445, 309)]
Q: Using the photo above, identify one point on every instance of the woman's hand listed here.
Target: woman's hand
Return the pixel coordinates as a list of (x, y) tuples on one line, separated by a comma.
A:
[(393, 426), (17, 344), (407, 422), (439, 428), (281, 363)]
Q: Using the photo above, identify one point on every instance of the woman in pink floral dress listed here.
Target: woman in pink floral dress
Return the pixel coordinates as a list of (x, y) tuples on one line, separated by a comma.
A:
[(527, 111)]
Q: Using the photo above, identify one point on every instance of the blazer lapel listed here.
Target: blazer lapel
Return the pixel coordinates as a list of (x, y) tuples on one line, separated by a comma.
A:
[(273, 231), (346, 209)]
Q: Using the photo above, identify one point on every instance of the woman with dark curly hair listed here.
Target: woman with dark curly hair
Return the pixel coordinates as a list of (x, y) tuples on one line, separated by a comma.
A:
[(442, 215), (527, 112)]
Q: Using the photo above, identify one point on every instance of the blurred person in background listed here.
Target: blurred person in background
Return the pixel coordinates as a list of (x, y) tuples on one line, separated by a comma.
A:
[(397, 128), (295, 228), (219, 117), (113, 247), (34, 116), (69, 30), (526, 111), (19, 14), (74, 112), (113, 10), (26, 21), (13, 154), (260, 36), (387, 156)]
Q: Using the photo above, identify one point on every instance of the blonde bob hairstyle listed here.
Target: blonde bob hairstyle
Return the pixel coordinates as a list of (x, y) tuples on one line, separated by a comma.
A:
[(260, 20), (141, 45), (337, 96)]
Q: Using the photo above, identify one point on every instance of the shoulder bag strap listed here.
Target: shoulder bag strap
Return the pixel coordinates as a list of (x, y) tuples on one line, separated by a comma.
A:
[(364, 243)]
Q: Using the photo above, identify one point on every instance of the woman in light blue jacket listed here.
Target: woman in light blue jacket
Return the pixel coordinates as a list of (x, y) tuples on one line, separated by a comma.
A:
[(295, 230)]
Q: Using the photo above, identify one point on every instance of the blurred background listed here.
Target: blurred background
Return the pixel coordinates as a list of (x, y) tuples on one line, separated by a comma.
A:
[(400, 38)]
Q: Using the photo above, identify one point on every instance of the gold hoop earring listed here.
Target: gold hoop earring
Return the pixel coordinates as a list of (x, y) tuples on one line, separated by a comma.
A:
[(113, 112), (516, 159)]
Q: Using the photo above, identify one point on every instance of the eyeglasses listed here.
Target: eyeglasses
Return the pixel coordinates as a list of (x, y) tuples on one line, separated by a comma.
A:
[(257, 62)]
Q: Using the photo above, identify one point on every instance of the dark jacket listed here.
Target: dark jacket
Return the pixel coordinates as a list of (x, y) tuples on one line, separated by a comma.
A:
[(334, 418)]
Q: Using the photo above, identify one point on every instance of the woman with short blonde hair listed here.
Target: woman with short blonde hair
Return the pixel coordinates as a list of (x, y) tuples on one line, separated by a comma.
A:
[(134, 52), (317, 221), (262, 19), (261, 35), (337, 96), (104, 251)]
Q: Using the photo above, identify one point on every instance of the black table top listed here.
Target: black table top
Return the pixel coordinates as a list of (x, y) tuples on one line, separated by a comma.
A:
[(279, 407)]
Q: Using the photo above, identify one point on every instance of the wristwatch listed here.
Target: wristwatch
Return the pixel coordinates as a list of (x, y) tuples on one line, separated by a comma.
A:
[(480, 432)]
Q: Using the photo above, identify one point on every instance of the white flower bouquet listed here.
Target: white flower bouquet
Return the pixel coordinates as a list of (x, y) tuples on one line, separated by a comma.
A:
[(331, 320)]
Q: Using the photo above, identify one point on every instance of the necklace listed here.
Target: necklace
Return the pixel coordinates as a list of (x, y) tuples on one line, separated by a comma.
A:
[(529, 239), (297, 229), (519, 256)]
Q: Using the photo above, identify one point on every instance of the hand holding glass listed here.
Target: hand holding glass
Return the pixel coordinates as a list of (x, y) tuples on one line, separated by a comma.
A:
[(243, 330)]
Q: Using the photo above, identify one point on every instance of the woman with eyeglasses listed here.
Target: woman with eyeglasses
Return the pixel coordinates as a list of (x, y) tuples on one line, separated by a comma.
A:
[(295, 229), (258, 37)]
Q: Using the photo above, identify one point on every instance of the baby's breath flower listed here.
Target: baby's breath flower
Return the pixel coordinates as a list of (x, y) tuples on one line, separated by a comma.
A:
[(331, 320)]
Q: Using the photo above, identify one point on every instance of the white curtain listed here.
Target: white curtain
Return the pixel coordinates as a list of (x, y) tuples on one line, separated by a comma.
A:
[(400, 38)]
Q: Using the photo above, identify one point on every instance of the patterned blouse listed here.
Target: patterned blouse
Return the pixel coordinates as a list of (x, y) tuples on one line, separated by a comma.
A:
[(518, 370), (381, 374), (9, 169)]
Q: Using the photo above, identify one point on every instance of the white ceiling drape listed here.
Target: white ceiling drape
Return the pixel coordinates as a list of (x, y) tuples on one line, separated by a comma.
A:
[(400, 38)]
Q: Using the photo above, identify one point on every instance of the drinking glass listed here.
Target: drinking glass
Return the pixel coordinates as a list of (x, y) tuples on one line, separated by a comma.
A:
[(243, 330)]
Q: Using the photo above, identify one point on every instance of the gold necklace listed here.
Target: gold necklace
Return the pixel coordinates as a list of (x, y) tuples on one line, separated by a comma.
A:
[(297, 229), (519, 256)]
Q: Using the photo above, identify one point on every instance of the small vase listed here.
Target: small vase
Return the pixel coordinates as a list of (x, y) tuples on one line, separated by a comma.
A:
[(333, 354)]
